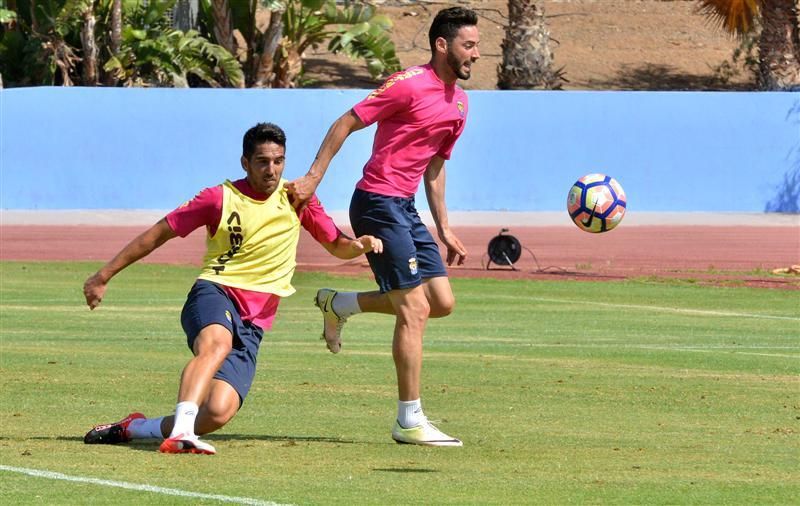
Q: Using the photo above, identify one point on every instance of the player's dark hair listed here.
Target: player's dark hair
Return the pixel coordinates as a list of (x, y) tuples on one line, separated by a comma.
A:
[(259, 134), (448, 22)]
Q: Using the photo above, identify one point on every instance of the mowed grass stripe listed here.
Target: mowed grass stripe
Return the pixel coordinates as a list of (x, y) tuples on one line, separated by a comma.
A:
[(584, 304)]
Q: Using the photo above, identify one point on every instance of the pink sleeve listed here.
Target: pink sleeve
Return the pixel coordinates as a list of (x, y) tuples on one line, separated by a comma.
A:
[(318, 223), (393, 96), (204, 209)]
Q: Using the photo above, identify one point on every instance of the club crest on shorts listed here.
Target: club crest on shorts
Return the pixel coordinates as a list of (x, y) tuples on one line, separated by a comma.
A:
[(412, 265)]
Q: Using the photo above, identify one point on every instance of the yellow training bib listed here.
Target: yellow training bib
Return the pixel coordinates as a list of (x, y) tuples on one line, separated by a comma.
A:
[(255, 245)]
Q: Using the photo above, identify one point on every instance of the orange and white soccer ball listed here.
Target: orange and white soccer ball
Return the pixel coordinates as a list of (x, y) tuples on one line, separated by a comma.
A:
[(596, 203)]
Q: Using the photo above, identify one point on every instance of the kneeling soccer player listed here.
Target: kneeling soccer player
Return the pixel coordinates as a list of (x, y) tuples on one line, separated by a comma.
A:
[(253, 231)]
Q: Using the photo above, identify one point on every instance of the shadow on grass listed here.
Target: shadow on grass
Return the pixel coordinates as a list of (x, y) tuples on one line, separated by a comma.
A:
[(234, 437), (151, 444), (288, 439), (404, 470), (550, 272)]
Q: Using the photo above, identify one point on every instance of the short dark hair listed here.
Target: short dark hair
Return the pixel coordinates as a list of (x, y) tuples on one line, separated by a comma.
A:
[(448, 22), (259, 134)]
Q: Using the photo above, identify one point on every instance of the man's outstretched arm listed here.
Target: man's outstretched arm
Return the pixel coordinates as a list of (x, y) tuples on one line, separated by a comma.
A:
[(95, 286), (346, 248), (302, 188)]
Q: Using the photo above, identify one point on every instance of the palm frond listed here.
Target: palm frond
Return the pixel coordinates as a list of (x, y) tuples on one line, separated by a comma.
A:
[(350, 15), (227, 63), (70, 15), (735, 16), (376, 49)]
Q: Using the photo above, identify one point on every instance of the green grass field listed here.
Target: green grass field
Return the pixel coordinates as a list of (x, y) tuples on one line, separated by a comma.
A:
[(563, 392)]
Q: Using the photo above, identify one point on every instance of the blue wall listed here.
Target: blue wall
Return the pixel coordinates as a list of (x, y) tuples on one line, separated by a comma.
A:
[(94, 148)]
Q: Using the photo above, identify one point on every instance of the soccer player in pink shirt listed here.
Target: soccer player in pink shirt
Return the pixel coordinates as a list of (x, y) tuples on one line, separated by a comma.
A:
[(420, 114), (252, 235)]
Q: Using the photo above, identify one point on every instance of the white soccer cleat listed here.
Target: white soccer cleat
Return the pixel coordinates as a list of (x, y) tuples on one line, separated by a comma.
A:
[(425, 434), (332, 323), (186, 444)]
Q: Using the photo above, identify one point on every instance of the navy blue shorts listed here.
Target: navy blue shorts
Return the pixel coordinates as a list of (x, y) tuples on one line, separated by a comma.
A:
[(410, 254), (207, 303)]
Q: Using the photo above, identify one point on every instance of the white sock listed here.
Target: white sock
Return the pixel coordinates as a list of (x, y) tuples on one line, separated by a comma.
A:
[(345, 304), (146, 428), (185, 414), (409, 413)]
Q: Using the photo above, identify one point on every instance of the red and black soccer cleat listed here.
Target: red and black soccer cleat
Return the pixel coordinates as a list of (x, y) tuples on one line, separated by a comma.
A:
[(112, 433)]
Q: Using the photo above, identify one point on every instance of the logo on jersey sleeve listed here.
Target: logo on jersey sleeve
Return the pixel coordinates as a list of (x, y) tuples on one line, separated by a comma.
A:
[(460, 106), (400, 76), (189, 201)]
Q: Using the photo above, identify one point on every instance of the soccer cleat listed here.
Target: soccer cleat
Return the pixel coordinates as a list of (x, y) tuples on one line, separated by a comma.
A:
[(111, 433), (186, 444), (423, 434), (333, 323)]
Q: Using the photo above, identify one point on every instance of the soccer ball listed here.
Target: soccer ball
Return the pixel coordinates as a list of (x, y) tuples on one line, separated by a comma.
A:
[(596, 203)]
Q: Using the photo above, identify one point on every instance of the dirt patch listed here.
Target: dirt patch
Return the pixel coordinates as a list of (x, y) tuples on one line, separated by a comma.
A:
[(600, 44)]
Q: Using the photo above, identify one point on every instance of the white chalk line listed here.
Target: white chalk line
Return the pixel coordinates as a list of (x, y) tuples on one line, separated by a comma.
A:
[(610, 346), (732, 350), (136, 486), (508, 343)]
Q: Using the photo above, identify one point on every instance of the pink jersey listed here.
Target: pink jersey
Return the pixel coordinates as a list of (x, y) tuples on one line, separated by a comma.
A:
[(419, 117), (205, 209)]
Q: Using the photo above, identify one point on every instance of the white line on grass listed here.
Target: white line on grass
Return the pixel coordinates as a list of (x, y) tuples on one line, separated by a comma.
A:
[(695, 349), (702, 312), (136, 486), (481, 341), (508, 343)]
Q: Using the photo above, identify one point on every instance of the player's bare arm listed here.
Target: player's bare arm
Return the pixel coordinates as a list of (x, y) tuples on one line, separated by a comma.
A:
[(302, 188), (435, 179), (346, 248), (95, 286)]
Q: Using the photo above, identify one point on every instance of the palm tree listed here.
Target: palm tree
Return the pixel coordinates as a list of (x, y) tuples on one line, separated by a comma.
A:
[(115, 37), (89, 45), (778, 28), (527, 57)]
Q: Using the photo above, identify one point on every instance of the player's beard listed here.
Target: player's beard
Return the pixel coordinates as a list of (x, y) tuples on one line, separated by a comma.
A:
[(457, 66)]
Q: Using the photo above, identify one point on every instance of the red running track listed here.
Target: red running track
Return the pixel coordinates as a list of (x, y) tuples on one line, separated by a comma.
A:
[(714, 254)]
